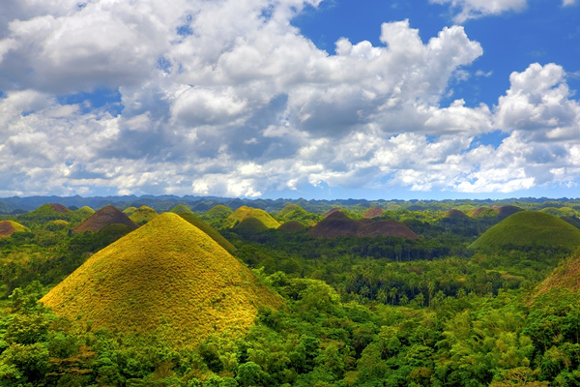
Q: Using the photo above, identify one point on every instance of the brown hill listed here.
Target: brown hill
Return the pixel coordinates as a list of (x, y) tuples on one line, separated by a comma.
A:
[(59, 208), (386, 228), (335, 225), (104, 217), (565, 276), (167, 277), (374, 212), (506, 211), (6, 228), (334, 210)]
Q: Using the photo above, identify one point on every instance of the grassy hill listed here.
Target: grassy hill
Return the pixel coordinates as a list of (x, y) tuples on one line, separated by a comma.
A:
[(143, 215), (9, 227), (188, 215), (104, 217), (247, 212), (48, 212), (293, 212), (529, 228), (181, 209), (168, 276), (217, 216), (565, 276), (250, 225), (373, 212)]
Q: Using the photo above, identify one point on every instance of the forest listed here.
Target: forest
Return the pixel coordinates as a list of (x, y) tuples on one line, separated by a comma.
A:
[(170, 292)]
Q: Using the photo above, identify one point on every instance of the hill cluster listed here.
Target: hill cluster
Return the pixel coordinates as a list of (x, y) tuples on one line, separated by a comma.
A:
[(338, 224)]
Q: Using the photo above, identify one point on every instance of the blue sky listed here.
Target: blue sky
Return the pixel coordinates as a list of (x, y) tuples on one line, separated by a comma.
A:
[(291, 98)]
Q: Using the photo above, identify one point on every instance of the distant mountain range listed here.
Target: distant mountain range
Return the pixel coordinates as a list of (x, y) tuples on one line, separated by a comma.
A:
[(163, 203)]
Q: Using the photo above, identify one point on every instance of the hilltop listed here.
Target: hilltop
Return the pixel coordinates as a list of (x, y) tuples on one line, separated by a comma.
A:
[(294, 212), (143, 215), (529, 228), (338, 224), (167, 277), (48, 212), (189, 216), (9, 227), (247, 212), (104, 217)]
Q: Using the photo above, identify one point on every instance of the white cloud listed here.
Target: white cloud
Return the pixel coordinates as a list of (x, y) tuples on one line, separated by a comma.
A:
[(243, 104), (568, 2), (473, 9)]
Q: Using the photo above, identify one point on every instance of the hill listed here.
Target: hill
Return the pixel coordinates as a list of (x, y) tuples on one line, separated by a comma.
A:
[(104, 217), (293, 212), (565, 276), (332, 211), (455, 215), (129, 210), (217, 216), (189, 216), (373, 212), (338, 224), (167, 276), (181, 209), (143, 215), (529, 228), (291, 226), (251, 225), (9, 227), (248, 212), (48, 212), (84, 212), (386, 227)]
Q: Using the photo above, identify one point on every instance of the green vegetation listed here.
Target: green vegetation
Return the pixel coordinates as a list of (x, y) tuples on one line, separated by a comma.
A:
[(293, 212), (217, 216), (165, 305), (245, 212), (530, 229), (143, 215)]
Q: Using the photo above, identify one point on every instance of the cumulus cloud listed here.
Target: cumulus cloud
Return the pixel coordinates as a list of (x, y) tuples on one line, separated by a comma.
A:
[(218, 103), (473, 9)]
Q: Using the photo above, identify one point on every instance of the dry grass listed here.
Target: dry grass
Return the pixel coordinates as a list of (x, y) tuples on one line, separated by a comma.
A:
[(167, 276), (9, 227), (106, 216)]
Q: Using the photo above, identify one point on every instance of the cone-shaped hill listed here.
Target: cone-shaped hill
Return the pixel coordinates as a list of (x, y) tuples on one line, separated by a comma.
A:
[(48, 212), (291, 226), (481, 212), (85, 212), (455, 215), (181, 209), (143, 215), (251, 225), (167, 276), (505, 211), (338, 224), (332, 211), (565, 276), (129, 210), (247, 212), (104, 217), (217, 216), (529, 228), (373, 212), (188, 215), (9, 227), (293, 212)]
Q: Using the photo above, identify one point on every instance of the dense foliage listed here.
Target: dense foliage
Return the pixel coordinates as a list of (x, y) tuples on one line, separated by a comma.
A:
[(365, 312)]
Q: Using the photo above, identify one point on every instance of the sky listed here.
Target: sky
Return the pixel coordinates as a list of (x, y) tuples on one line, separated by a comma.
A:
[(323, 99)]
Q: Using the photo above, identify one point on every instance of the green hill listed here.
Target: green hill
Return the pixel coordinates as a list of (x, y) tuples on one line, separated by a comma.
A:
[(129, 210), (247, 212), (181, 209), (48, 212), (528, 228), (293, 212), (203, 226), (143, 215), (250, 225), (84, 212), (217, 215), (168, 276)]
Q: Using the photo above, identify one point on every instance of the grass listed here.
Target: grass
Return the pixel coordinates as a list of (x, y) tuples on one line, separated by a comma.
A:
[(167, 276), (247, 212), (293, 212), (565, 276), (104, 217), (217, 216), (143, 215), (203, 226), (529, 228), (9, 227), (48, 212)]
